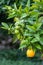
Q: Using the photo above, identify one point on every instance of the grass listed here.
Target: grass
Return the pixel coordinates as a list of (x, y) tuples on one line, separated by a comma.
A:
[(16, 57)]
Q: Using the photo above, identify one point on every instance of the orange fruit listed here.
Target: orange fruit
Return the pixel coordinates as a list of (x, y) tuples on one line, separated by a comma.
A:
[(30, 53)]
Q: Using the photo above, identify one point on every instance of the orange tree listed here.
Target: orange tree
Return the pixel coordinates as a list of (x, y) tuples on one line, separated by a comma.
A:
[(28, 24)]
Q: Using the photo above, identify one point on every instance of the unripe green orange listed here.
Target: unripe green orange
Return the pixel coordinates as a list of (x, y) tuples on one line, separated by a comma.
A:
[(16, 31)]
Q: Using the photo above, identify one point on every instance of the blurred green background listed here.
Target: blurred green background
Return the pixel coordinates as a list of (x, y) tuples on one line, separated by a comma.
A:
[(17, 57)]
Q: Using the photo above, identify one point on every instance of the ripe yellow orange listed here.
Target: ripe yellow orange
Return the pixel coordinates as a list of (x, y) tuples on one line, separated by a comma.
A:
[(30, 53)]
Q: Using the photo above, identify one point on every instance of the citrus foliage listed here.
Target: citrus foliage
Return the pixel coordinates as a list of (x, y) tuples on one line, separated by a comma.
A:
[(28, 24)]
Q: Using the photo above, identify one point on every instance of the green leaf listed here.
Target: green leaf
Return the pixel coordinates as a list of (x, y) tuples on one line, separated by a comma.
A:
[(38, 46), (38, 25), (24, 43), (11, 15), (34, 13), (41, 31), (37, 36), (23, 46), (31, 28), (23, 15), (30, 21), (28, 3), (5, 26), (15, 7), (41, 19), (41, 41), (34, 40)]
